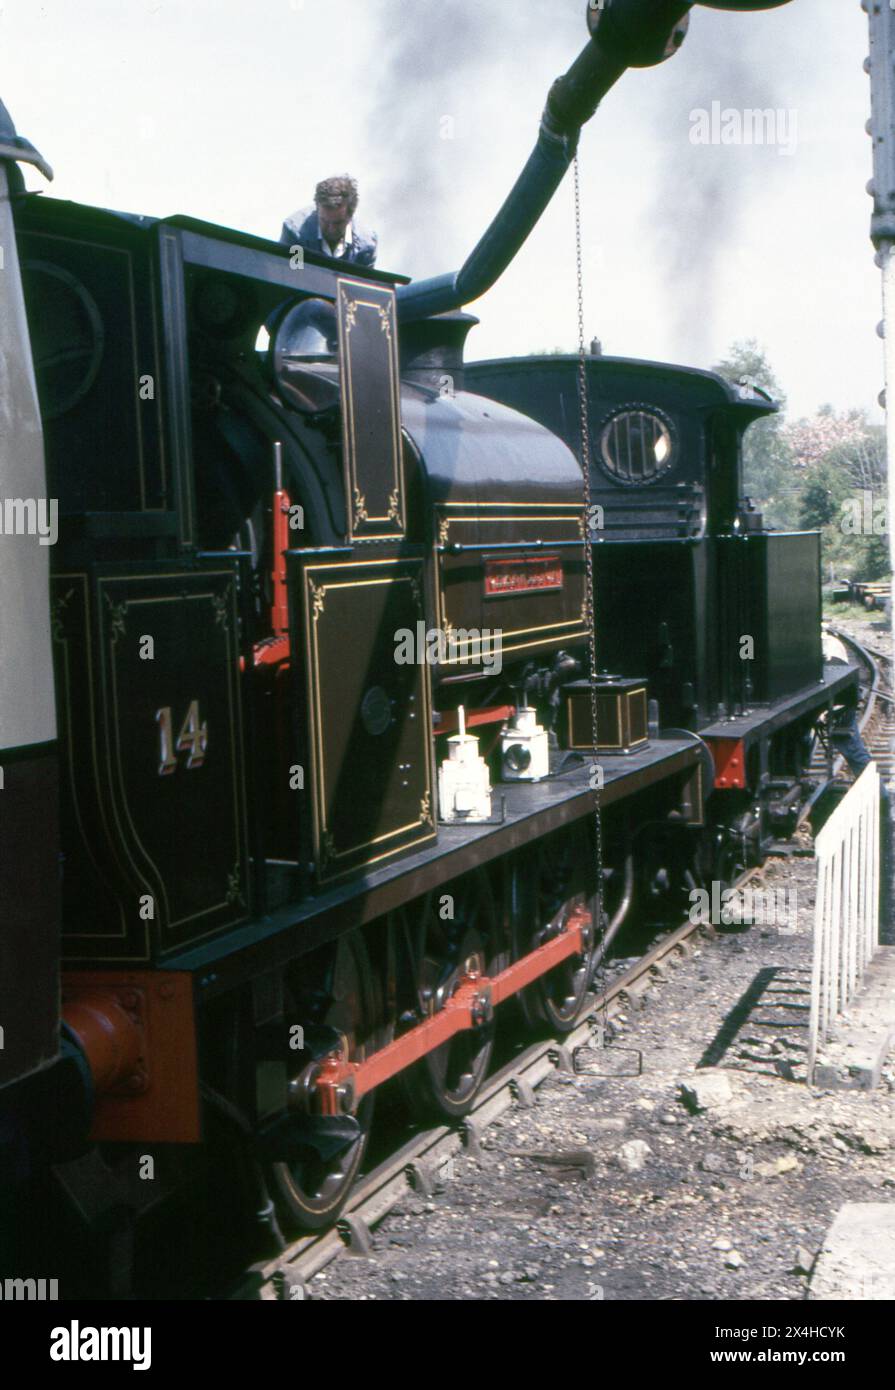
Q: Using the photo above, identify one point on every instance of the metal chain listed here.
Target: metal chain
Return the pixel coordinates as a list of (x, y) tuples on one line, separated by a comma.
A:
[(584, 420)]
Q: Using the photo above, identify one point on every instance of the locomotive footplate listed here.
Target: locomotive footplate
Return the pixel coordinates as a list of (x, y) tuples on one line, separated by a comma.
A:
[(731, 739), (531, 812)]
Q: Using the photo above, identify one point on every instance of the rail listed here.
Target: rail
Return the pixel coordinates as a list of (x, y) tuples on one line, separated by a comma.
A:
[(868, 717), (846, 914)]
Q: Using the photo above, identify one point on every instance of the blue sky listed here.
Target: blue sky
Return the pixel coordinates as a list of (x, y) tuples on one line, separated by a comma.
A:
[(232, 111)]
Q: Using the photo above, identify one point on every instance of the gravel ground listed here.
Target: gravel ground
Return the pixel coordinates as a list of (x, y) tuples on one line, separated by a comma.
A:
[(613, 1187)]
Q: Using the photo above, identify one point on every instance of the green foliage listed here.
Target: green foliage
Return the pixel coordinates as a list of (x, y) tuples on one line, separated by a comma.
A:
[(768, 475), (815, 474), (820, 503), (842, 612), (875, 561), (844, 490), (747, 361)]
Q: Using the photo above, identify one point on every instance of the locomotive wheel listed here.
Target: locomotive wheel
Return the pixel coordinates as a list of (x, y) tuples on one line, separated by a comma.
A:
[(729, 858), (444, 950), (312, 1191), (543, 897)]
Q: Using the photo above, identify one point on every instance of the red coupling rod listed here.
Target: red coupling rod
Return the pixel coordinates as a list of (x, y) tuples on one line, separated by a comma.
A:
[(341, 1083)]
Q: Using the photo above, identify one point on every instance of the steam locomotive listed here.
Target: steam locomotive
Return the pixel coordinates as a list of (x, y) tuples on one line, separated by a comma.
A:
[(254, 862)]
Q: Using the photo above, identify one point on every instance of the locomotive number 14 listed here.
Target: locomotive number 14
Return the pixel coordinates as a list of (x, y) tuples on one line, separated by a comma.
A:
[(192, 739)]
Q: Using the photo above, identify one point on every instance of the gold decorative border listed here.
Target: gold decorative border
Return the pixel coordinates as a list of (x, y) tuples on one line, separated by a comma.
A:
[(314, 601), (571, 628), (361, 525), (107, 794), (641, 696), (119, 612), (60, 637)]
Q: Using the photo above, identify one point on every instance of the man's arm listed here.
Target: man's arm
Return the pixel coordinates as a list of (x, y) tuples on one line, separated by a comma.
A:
[(300, 230), (366, 245)]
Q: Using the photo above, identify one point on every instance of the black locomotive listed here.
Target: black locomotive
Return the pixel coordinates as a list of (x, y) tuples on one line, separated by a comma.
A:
[(271, 479)]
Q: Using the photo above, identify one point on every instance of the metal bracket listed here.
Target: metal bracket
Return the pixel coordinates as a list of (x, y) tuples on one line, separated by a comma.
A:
[(290, 1287), (472, 1139), (356, 1234), (563, 1059), (421, 1177), (523, 1092), (482, 1007)]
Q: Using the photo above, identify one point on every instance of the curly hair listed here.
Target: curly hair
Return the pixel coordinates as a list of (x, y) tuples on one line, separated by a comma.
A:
[(331, 193)]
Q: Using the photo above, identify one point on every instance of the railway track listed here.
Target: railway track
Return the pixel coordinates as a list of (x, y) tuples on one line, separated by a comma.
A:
[(877, 719), (876, 722)]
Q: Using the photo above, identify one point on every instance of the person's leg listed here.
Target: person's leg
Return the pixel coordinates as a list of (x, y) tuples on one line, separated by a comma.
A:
[(846, 739)]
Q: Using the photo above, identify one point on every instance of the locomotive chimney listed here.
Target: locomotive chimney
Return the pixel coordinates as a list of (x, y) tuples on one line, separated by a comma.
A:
[(623, 34), (432, 351)]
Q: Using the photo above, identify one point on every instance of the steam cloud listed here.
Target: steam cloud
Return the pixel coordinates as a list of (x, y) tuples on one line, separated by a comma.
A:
[(704, 190), (437, 63), (454, 59)]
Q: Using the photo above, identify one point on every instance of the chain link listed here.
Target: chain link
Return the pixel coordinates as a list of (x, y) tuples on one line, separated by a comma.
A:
[(584, 420)]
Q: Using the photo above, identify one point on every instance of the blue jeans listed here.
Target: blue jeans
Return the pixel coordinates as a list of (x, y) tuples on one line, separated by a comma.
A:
[(847, 740)]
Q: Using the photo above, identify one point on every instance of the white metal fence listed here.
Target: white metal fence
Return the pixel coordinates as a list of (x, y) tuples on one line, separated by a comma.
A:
[(846, 913)]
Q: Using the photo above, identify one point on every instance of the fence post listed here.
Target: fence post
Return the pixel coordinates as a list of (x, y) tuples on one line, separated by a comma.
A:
[(846, 911)]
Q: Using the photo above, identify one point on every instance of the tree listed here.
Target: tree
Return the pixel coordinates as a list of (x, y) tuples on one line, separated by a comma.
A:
[(768, 473), (812, 439), (843, 462), (825, 490)]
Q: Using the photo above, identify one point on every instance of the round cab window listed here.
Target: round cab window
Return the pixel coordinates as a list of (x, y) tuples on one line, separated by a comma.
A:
[(636, 446)]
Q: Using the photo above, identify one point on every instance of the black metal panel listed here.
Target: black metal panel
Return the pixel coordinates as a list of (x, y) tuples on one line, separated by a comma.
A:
[(371, 411), (837, 683), (656, 616), (780, 576), (29, 912), (240, 253), (516, 570), (176, 377), (154, 817), (93, 333), (364, 719)]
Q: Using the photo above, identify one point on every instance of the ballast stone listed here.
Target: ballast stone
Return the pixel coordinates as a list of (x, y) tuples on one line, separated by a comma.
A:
[(633, 1155), (707, 1090), (857, 1260), (788, 1164)]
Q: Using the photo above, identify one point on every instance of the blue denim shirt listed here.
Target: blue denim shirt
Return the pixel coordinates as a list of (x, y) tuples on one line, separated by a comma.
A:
[(303, 229)]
